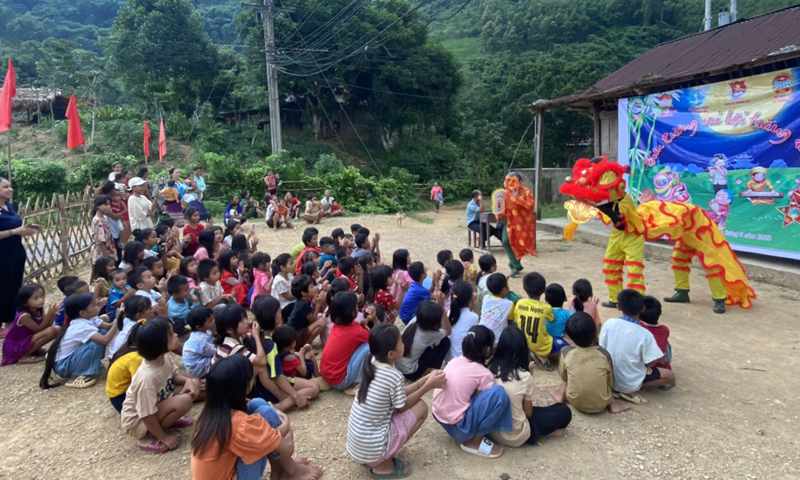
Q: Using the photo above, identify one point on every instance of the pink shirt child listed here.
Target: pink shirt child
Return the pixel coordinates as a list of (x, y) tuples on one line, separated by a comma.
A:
[(260, 283), (464, 379)]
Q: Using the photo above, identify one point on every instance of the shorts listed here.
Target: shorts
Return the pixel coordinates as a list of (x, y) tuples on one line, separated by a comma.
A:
[(118, 401), (558, 344), (400, 427), (138, 430), (654, 375)]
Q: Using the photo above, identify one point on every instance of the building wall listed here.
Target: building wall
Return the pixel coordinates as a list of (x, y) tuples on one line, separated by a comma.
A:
[(608, 135), (552, 178)]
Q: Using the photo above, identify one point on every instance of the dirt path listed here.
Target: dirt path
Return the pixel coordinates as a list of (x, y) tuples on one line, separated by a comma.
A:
[(733, 414)]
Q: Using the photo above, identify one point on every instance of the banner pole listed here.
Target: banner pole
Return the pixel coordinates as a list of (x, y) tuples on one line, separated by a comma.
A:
[(9, 154)]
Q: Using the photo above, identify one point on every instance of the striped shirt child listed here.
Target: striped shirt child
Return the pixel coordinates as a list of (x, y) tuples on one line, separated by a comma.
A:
[(233, 346), (368, 429)]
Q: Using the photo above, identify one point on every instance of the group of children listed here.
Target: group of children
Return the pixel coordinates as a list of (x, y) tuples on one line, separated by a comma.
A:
[(244, 324)]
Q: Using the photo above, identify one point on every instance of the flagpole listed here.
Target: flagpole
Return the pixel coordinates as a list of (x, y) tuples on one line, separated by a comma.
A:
[(9, 154), (88, 165)]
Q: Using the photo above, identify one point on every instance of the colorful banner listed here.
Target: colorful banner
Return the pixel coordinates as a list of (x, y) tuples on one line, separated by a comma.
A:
[(732, 148)]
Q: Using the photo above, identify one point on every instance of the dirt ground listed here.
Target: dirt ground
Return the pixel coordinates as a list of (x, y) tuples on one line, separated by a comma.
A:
[(731, 415)]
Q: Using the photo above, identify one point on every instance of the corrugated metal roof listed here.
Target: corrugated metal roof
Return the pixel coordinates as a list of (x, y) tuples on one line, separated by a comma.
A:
[(743, 44)]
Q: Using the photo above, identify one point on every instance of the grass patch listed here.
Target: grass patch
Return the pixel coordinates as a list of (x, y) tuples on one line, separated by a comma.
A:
[(554, 210), (418, 217)]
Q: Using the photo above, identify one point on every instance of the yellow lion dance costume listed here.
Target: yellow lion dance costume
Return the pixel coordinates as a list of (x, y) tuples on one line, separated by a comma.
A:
[(597, 187)]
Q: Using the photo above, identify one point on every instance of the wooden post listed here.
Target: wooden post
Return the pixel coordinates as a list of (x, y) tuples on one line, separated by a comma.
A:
[(88, 165), (9, 154), (538, 165), (64, 237), (597, 147)]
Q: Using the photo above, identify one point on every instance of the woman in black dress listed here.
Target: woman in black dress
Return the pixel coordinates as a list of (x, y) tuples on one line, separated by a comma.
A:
[(12, 253)]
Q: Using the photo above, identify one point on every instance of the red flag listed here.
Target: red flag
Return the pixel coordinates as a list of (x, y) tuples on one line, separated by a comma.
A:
[(146, 140), (162, 142), (75, 134), (9, 90)]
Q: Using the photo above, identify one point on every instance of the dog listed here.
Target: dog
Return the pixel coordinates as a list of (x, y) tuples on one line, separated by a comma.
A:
[(400, 217)]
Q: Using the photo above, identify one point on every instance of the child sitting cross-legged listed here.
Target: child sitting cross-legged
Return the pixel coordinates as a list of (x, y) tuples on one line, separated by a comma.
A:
[(416, 293), (302, 364), (152, 402), (532, 317), (31, 329), (272, 385), (77, 352), (386, 414), (426, 340), (470, 405), (496, 309), (142, 280), (585, 370), (198, 351), (634, 352), (461, 316), (211, 294), (649, 320), (235, 438), (306, 317), (555, 296), (513, 370), (344, 354), (181, 302), (584, 300)]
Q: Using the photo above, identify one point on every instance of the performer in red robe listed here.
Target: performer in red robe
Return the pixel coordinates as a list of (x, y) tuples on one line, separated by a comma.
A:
[(519, 234)]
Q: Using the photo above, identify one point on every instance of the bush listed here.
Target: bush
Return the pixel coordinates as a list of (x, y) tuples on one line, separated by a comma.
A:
[(327, 164), (34, 177)]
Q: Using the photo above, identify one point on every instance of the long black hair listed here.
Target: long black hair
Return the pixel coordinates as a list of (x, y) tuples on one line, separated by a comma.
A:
[(429, 317), (206, 240), (379, 280), (75, 305), (400, 259), (478, 339), (131, 253), (344, 308), (461, 295), (453, 272), (99, 201), (486, 263), (382, 340), (280, 261), (582, 289), (226, 319), (132, 308), (100, 267), (184, 268), (225, 261), (227, 385), (230, 227), (23, 295), (239, 243), (511, 355)]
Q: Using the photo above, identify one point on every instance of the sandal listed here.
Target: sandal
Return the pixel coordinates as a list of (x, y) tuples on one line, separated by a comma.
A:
[(546, 366), (398, 472), (484, 450), (183, 422), (81, 382), (154, 447), (637, 399)]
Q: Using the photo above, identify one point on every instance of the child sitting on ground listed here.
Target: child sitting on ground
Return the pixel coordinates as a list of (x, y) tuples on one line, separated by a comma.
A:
[(461, 316), (152, 403), (584, 297), (497, 310), (302, 364), (555, 296), (262, 280), (211, 294), (513, 370), (123, 366), (532, 317), (142, 280), (188, 269), (634, 352), (31, 329), (256, 431), (467, 258), (137, 309), (310, 239), (233, 283), (119, 293), (181, 302), (350, 271), (282, 283), (442, 257), (386, 414), (381, 282), (426, 340), (198, 351), (69, 286), (78, 350), (416, 292), (649, 320), (470, 405), (306, 317), (347, 347), (272, 385), (585, 370), (327, 248)]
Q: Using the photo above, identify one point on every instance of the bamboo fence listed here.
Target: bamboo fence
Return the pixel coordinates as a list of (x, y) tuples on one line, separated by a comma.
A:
[(65, 240)]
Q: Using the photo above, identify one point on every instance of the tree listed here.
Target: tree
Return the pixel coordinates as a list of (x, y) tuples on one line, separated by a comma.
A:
[(162, 54)]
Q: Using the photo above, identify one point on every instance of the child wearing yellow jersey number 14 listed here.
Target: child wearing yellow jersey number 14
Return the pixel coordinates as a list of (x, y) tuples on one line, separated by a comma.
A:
[(532, 316)]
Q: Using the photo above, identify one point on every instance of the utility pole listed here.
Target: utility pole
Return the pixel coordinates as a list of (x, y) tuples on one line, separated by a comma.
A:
[(268, 10)]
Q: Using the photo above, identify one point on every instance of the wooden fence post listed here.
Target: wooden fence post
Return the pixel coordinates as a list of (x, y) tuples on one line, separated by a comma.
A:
[(62, 223)]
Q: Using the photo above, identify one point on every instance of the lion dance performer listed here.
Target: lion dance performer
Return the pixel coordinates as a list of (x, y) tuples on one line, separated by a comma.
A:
[(519, 235), (597, 186)]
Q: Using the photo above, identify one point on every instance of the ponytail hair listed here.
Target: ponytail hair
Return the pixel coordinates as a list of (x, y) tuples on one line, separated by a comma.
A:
[(478, 339), (460, 298), (280, 261), (132, 308), (75, 304), (129, 345), (582, 289), (382, 340)]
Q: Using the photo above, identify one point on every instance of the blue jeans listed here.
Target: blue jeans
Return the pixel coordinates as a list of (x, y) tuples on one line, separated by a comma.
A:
[(85, 361), (489, 411), (354, 368), (255, 470)]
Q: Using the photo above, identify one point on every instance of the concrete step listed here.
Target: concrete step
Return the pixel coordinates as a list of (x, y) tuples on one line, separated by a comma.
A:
[(760, 268)]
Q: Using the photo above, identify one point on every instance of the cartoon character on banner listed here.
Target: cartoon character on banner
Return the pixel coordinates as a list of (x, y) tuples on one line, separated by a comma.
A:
[(718, 172), (597, 187), (669, 187), (720, 208), (760, 190), (791, 212)]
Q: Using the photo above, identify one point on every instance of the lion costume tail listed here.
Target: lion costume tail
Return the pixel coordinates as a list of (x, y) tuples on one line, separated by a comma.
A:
[(688, 223)]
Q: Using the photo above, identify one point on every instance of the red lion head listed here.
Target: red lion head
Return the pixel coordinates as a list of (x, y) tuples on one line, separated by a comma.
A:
[(595, 181)]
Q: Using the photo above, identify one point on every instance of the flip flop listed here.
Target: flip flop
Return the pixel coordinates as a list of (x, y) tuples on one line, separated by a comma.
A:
[(154, 447), (484, 450), (637, 399), (398, 472), (183, 422), (81, 382)]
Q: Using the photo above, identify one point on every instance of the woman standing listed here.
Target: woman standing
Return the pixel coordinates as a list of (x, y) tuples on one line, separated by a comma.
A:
[(140, 208), (191, 195), (12, 261), (436, 195)]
